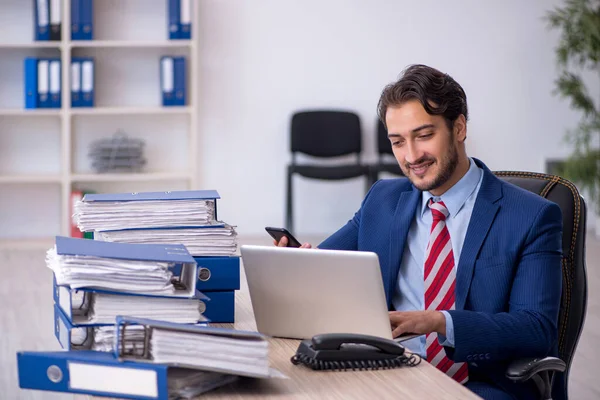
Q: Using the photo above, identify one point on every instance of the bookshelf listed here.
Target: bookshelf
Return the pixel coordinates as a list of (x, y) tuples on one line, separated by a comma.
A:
[(43, 152)]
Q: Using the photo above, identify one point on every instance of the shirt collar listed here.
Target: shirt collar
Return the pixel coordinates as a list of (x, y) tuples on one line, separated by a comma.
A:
[(457, 195)]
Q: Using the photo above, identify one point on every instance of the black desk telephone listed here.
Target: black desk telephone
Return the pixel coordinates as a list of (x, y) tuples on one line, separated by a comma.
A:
[(349, 351)]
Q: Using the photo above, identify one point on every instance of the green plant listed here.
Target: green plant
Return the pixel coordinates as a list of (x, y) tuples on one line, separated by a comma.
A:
[(577, 52)]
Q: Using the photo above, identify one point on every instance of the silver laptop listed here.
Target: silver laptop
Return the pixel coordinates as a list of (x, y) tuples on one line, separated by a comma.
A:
[(299, 293)]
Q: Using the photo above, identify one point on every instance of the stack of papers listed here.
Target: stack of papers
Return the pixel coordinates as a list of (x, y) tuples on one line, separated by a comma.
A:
[(117, 215), (105, 307), (188, 383), (104, 337), (79, 271), (220, 353), (217, 240)]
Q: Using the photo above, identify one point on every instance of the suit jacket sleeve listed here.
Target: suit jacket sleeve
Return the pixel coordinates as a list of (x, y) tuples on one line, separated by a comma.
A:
[(529, 326), (346, 238)]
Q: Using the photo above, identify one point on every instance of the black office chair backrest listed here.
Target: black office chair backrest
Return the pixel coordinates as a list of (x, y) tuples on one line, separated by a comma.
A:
[(574, 290), (326, 133), (384, 146)]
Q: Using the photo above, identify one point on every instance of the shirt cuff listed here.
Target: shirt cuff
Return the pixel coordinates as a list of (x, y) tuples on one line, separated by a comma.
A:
[(447, 340)]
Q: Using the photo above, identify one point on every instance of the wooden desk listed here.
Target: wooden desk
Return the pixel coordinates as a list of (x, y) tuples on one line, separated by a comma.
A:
[(420, 382)]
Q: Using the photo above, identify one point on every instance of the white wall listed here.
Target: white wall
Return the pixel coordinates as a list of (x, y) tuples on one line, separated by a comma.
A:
[(263, 59)]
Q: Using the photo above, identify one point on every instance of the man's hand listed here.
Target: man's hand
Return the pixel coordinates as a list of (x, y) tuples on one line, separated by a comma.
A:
[(284, 242), (420, 322)]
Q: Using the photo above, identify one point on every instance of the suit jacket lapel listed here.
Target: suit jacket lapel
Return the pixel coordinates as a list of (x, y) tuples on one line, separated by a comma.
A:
[(483, 215), (403, 217)]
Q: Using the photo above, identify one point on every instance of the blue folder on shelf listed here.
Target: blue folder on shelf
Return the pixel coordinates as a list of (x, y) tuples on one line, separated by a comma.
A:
[(221, 307), (86, 19), (173, 19), (180, 81), (42, 20), (43, 83), (31, 86), (76, 82), (55, 85), (174, 254), (76, 20), (185, 11), (218, 273), (87, 82), (167, 81)]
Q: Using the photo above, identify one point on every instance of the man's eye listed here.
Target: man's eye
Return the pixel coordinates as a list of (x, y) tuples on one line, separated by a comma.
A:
[(396, 143), (426, 136)]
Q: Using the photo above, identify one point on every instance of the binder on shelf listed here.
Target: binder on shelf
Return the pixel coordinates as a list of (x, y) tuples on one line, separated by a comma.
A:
[(185, 31), (221, 307), (55, 20), (76, 101), (31, 86), (180, 80), (173, 21), (86, 19), (102, 374), (92, 253), (218, 273), (42, 20), (43, 83), (77, 305), (76, 20), (167, 80), (55, 87), (87, 82)]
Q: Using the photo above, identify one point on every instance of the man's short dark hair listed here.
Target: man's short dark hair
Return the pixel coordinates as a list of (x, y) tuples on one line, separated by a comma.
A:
[(439, 93)]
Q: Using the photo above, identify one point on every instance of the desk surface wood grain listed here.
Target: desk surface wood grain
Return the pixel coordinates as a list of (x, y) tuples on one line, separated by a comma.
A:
[(421, 382)]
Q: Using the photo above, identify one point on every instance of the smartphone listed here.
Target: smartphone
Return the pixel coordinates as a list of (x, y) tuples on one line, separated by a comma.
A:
[(278, 233)]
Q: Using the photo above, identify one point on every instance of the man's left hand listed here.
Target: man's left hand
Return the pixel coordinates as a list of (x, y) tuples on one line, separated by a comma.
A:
[(419, 322)]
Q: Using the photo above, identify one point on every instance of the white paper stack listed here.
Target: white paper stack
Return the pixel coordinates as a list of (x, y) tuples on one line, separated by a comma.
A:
[(104, 337), (105, 307), (110, 274), (117, 215), (213, 241), (186, 383), (216, 353)]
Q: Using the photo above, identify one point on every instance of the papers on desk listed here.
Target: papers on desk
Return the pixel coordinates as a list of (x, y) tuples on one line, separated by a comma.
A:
[(188, 383), (104, 309), (104, 337), (204, 348), (214, 241)]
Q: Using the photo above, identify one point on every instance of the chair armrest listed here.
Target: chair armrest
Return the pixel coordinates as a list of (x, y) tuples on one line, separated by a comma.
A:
[(525, 368)]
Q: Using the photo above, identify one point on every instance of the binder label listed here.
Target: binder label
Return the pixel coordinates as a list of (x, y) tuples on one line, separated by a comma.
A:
[(168, 75), (55, 12), (87, 76), (75, 80), (185, 12), (113, 380), (42, 12)]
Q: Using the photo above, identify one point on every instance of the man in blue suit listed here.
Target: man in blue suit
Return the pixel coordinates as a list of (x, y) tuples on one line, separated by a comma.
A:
[(471, 262)]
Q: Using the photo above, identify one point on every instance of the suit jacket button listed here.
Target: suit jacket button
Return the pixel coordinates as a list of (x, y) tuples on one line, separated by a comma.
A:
[(469, 358), (488, 356)]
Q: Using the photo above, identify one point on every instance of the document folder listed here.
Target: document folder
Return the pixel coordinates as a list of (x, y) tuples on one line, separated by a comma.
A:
[(218, 273), (55, 20), (43, 82), (183, 281), (31, 86), (173, 21), (185, 31), (55, 87), (86, 19), (198, 347), (221, 307), (42, 20)]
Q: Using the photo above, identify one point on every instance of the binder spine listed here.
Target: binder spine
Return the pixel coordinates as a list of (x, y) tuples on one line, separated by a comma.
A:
[(76, 20), (76, 101), (31, 86), (221, 307), (42, 20), (173, 22), (185, 30), (218, 273), (86, 19), (54, 69), (180, 79), (167, 81), (55, 20), (43, 82), (87, 82)]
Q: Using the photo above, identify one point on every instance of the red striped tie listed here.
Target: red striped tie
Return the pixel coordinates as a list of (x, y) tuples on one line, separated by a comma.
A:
[(440, 279)]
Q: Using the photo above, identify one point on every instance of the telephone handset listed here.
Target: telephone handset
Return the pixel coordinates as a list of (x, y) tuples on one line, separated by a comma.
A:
[(351, 351)]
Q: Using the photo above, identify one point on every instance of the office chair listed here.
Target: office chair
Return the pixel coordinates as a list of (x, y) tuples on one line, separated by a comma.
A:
[(324, 134), (551, 374), (384, 151)]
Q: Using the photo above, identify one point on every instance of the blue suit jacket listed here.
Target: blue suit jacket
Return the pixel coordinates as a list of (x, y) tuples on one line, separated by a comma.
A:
[(508, 279)]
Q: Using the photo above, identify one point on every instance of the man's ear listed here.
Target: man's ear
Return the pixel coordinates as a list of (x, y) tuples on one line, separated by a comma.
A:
[(460, 128)]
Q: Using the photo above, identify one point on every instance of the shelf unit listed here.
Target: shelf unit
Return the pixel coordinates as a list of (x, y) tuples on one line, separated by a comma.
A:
[(43, 152)]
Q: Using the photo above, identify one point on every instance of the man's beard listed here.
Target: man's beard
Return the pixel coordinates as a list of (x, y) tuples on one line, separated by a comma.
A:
[(447, 166)]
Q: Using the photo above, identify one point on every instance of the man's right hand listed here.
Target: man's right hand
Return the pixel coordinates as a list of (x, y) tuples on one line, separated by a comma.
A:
[(284, 242)]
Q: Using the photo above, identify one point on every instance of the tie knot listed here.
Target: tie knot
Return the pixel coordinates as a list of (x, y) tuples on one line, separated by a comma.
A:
[(438, 210)]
